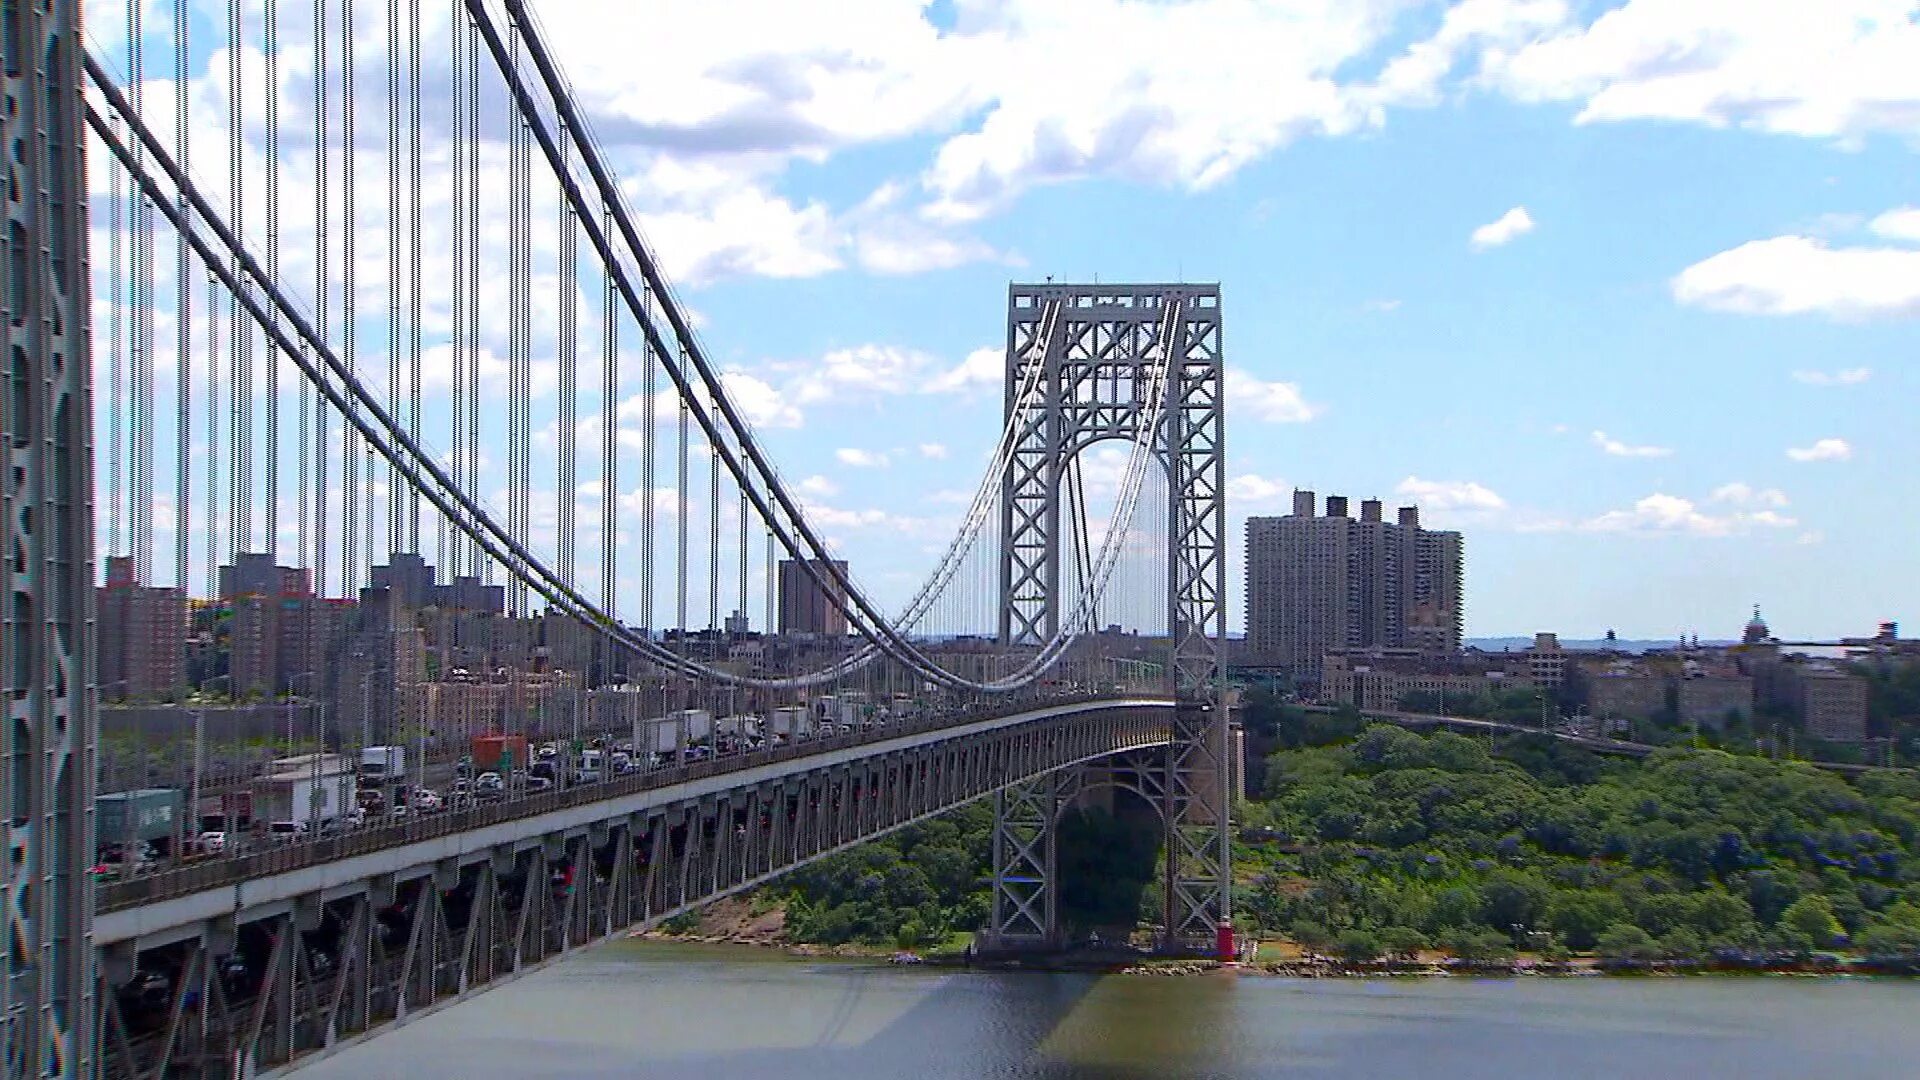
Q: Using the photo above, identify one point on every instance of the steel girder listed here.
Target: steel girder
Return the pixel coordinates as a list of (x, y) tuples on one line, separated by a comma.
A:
[(350, 962), (47, 1020), (1094, 353)]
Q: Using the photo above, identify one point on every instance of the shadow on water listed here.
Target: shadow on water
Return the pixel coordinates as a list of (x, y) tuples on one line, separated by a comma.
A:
[(650, 1012), (719, 1013)]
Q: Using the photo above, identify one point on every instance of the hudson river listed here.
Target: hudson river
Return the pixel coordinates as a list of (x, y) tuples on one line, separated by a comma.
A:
[(726, 1013)]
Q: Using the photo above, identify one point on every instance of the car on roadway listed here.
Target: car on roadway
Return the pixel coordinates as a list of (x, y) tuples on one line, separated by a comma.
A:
[(489, 781), (213, 842)]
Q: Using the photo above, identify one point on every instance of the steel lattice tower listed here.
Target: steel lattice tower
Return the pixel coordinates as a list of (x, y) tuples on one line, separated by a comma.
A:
[(47, 782), (1095, 350)]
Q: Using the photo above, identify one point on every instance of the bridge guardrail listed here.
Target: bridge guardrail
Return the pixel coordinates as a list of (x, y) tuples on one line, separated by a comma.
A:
[(298, 854)]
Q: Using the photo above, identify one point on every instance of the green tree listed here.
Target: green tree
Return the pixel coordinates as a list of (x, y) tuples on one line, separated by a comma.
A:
[(1510, 898), (1581, 917), (1312, 936), (1811, 918), (1357, 947), (1402, 943), (1627, 944), (1479, 946)]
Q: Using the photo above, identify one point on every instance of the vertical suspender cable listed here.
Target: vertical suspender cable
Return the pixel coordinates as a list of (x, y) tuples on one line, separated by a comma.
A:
[(680, 531), (713, 539), (741, 605), (270, 51), (352, 518), (322, 515), (141, 315), (119, 298), (413, 257), (183, 326), (609, 441), (140, 469), (648, 508), (568, 405), (476, 565), (395, 286), (214, 517), (520, 364), (452, 553), (240, 353)]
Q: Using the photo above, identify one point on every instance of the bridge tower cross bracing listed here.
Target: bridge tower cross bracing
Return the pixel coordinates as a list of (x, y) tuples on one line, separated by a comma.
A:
[(47, 975), (1095, 352)]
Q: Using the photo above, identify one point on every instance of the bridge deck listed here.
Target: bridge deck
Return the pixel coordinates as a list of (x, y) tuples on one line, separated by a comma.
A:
[(134, 908)]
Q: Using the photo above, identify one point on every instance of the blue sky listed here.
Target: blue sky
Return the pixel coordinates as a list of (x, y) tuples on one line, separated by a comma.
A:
[(1628, 292), (1611, 428)]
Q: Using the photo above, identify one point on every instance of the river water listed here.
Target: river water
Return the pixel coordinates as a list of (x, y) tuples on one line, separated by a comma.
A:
[(728, 1013)]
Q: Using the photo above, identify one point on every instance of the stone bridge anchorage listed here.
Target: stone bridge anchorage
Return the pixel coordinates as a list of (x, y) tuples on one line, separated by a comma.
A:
[(760, 744)]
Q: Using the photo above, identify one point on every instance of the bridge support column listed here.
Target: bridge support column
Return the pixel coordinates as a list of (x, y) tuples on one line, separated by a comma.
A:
[(1026, 913), (1197, 874)]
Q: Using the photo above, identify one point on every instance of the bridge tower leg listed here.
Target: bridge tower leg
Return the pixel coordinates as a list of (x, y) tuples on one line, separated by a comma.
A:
[(47, 992), (1093, 346), (1026, 914)]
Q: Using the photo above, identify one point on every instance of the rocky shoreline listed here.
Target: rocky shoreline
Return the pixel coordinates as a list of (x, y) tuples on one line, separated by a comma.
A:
[(1120, 964)]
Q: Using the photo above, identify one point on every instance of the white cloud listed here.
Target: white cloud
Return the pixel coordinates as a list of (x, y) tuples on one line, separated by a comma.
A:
[(1900, 223), (759, 402), (1450, 495), (1414, 77), (818, 486), (864, 370), (861, 459), (1383, 307), (1822, 450), (1509, 226), (1740, 494), (1843, 377), (1617, 448), (1273, 402), (1832, 69), (1256, 489), (984, 367), (1182, 95), (933, 450), (1798, 275), (1661, 513)]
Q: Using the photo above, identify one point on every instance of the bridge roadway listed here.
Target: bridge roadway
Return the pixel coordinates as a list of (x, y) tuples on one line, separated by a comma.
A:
[(256, 963)]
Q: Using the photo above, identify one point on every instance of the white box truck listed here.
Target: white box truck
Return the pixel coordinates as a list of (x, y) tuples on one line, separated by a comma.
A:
[(661, 736), (791, 721), (383, 764), (697, 724), (311, 788)]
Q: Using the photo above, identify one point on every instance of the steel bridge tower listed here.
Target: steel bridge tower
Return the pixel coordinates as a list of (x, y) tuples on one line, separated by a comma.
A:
[(1094, 350), (47, 993)]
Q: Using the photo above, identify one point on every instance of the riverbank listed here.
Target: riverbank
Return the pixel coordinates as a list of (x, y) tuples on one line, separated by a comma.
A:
[(1278, 959), (760, 924)]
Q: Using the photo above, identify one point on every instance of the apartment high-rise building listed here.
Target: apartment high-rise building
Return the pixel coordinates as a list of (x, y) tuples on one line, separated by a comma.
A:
[(806, 608), (143, 636), (1317, 582)]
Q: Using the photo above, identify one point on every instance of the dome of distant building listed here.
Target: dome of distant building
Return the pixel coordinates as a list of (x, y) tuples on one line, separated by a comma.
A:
[(1756, 630)]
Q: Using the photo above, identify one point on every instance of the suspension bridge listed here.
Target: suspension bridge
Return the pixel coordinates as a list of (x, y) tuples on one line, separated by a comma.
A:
[(310, 304)]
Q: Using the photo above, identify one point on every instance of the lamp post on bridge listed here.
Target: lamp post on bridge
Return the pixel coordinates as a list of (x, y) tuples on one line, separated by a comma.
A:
[(200, 750), (320, 743)]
